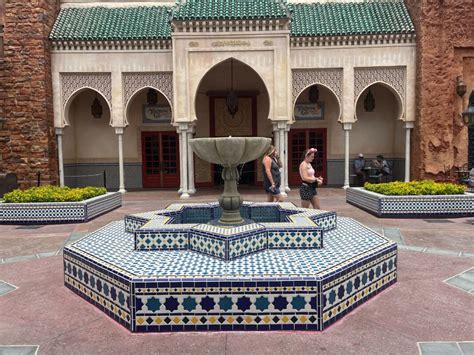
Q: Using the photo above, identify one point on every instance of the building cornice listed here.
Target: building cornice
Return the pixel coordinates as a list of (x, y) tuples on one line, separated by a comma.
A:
[(353, 40), (247, 25), (155, 44)]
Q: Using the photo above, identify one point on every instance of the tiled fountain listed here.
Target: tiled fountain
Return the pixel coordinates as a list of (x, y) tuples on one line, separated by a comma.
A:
[(275, 267)]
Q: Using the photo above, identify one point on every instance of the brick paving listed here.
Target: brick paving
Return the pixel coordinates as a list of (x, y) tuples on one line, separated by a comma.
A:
[(424, 307)]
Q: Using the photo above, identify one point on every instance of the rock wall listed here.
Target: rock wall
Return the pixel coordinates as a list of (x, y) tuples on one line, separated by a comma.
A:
[(445, 49), (27, 143)]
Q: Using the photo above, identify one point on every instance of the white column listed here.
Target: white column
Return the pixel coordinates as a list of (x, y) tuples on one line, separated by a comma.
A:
[(286, 164), (183, 127), (59, 135), (347, 127), (408, 127), (119, 133), (191, 187), (276, 136), (281, 152), (181, 168)]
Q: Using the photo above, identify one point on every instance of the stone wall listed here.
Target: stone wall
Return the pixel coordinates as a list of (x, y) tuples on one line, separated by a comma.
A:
[(27, 143), (445, 49)]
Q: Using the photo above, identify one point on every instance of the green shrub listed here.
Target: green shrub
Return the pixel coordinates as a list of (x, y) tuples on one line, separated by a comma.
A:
[(53, 194), (424, 187)]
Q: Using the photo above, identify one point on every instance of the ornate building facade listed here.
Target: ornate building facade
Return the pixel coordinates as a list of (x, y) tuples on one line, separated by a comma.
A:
[(123, 86)]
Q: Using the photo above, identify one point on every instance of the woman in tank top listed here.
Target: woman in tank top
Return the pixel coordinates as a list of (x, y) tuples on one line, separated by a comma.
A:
[(271, 165), (309, 182)]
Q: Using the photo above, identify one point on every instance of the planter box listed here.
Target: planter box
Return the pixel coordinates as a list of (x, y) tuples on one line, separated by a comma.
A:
[(411, 206), (59, 212)]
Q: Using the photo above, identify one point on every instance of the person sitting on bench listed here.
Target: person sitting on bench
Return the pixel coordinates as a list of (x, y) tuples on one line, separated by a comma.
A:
[(359, 165), (382, 167)]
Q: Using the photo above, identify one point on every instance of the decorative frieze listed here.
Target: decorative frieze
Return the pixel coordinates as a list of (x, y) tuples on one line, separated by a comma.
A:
[(72, 82), (161, 81), (332, 78), (393, 76)]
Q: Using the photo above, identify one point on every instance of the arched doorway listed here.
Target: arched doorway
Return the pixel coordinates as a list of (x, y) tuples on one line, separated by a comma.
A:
[(379, 128), (151, 148), (214, 120), (89, 143), (316, 113)]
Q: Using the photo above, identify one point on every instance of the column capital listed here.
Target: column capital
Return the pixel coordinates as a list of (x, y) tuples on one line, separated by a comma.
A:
[(409, 125), (182, 127), (58, 131), (119, 130), (347, 126), (282, 125)]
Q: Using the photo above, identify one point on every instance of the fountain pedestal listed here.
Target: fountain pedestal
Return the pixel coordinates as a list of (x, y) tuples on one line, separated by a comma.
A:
[(230, 200)]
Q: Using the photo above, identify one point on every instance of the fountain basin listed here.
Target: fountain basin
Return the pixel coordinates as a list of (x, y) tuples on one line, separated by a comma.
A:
[(230, 151), (274, 226)]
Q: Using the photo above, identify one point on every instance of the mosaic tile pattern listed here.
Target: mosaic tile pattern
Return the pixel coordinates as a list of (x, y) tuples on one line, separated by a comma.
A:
[(59, 212), (411, 206), (100, 286), (284, 289)]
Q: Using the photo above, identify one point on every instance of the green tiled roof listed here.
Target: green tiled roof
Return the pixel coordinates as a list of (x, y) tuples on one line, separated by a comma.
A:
[(229, 9), (307, 19), (102, 23), (349, 18)]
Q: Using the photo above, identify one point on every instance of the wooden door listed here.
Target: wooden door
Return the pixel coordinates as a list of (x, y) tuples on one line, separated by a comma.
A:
[(298, 141), (160, 154)]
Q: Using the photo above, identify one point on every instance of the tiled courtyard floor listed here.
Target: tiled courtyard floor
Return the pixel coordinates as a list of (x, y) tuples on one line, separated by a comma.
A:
[(430, 309)]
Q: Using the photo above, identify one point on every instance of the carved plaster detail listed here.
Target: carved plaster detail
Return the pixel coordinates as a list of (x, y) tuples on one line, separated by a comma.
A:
[(162, 81), (72, 82), (231, 43), (393, 76), (332, 78)]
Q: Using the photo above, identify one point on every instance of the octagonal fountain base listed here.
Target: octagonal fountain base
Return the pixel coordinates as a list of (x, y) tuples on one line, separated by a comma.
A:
[(268, 289)]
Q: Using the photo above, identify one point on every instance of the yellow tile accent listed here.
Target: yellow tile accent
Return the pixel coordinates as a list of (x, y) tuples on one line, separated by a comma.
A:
[(303, 319), (158, 320), (285, 319), (176, 320), (230, 320), (267, 319), (212, 320), (140, 320), (248, 319), (194, 320)]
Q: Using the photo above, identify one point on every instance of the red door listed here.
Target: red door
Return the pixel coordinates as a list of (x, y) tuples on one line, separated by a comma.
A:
[(160, 151), (298, 141)]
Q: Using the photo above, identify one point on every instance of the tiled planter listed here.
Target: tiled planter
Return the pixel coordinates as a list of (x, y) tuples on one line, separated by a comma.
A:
[(59, 212), (411, 206)]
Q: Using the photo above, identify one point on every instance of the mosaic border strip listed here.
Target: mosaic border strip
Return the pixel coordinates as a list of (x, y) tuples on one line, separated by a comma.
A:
[(411, 206), (59, 212)]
